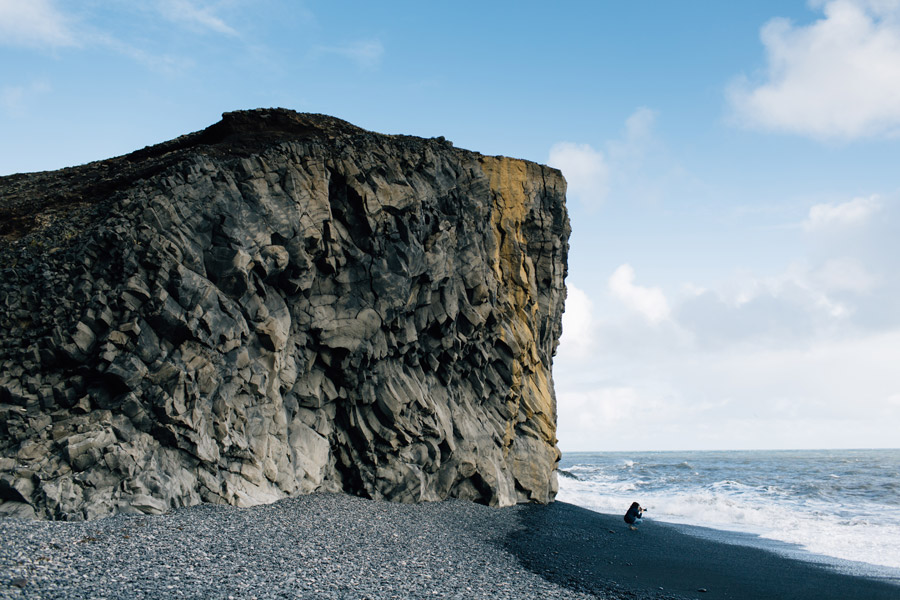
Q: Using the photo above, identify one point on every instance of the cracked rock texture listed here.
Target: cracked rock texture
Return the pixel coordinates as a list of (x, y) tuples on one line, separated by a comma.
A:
[(279, 304)]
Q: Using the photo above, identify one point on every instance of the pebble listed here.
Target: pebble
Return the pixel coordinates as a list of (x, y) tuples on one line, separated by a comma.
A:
[(329, 546)]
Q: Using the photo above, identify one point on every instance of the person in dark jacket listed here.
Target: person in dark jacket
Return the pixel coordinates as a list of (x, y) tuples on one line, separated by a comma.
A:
[(634, 515)]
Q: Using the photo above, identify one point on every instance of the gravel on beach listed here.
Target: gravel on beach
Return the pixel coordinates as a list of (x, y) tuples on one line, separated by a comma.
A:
[(336, 546), (317, 546)]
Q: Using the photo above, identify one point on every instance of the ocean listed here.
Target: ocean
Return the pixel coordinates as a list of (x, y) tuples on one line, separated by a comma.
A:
[(840, 504)]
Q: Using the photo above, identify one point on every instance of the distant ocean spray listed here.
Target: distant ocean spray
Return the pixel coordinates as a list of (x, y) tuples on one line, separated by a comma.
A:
[(843, 504)]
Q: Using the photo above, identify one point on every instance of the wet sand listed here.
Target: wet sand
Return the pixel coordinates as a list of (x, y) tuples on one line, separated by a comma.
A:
[(597, 553)]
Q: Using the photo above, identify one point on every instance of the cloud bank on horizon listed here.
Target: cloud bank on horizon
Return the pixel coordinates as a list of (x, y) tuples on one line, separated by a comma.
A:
[(804, 357), (785, 357)]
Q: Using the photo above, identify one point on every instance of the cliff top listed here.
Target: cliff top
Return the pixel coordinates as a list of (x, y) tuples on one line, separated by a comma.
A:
[(28, 199)]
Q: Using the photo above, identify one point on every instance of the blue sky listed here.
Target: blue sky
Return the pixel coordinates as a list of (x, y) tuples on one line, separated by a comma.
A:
[(733, 172)]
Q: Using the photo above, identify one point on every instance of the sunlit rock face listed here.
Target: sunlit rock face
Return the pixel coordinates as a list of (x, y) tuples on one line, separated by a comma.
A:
[(280, 304)]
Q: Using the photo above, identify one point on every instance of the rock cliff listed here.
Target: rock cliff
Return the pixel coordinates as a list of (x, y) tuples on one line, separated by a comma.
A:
[(279, 304)]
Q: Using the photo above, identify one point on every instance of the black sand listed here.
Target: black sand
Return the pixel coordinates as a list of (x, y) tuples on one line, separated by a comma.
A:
[(343, 547), (588, 551)]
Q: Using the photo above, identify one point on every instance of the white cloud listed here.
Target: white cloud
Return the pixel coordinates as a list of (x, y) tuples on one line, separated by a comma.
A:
[(195, 15), (34, 23), (577, 324), (634, 166), (835, 378), (845, 275), (650, 303), (365, 53), (600, 408), (585, 169), (796, 307), (834, 393), (803, 355), (844, 214), (838, 77)]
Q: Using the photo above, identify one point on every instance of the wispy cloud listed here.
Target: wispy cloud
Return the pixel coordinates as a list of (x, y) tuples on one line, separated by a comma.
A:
[(15, 99), (838, 77), (42, 24), (34, 24), (620, 166), (365, 53), (843, 214), (638, 136), (841, 284), (194, 15)]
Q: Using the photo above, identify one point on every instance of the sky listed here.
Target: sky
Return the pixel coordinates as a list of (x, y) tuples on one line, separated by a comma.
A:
[(734, 186)]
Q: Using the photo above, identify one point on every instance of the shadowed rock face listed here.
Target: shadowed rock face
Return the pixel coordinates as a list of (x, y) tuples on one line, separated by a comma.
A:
[(279, 304)]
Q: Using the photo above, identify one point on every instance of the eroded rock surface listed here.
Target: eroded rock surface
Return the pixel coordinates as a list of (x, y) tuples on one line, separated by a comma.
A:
[(279, 304)]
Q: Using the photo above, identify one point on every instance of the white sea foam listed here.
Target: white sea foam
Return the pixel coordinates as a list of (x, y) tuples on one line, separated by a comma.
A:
[(849, 528)]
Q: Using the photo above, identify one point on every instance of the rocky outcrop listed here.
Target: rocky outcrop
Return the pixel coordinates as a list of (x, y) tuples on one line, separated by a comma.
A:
[(279, 304)]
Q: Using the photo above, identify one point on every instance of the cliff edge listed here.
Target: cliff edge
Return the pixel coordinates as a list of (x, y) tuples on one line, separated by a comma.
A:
[(279, 304)]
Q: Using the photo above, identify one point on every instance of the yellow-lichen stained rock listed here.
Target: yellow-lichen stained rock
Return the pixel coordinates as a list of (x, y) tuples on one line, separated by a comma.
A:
[(279, 304), (517, 188)]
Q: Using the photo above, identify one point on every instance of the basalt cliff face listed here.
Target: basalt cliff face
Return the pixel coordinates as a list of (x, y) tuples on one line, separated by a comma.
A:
[(279, 304)]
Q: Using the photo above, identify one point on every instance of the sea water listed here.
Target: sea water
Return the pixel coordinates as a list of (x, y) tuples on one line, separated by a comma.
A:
[(843, 504)]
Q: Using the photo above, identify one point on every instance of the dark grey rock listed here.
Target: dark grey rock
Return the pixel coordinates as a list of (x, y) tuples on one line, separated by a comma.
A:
[(277, 305)]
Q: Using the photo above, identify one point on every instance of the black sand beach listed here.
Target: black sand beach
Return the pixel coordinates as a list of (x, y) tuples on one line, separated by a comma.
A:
[(590, 551), (337, 546)]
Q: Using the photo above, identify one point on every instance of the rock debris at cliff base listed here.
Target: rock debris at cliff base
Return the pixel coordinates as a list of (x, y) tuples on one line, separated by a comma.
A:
[(322, 546), (280, 304)]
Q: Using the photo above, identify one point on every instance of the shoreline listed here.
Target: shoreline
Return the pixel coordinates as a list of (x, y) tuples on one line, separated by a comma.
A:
[(833, 507), (339, 546), (789, 550), (683, 559)]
